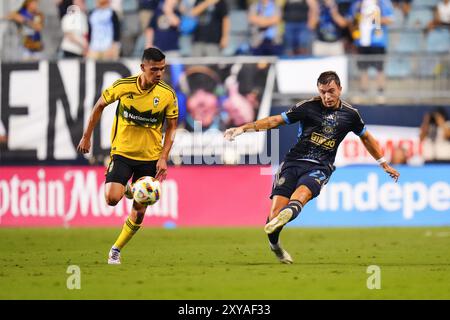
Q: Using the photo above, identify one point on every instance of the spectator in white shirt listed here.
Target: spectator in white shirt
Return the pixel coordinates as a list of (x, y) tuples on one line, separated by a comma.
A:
[(75, 28), (441, 15)]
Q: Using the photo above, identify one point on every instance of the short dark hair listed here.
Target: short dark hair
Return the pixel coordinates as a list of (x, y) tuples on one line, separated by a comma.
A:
[(327, 77), (153, 54)]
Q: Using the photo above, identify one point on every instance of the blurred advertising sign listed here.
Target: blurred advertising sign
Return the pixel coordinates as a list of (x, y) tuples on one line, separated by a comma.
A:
[(191, 196), (352, 151), (299, 76), (214, 97), (366, 196), (226, 196)]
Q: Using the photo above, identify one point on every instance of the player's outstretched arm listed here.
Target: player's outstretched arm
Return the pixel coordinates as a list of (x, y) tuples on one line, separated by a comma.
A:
[(374, 149), (262, 124), (85, 143)]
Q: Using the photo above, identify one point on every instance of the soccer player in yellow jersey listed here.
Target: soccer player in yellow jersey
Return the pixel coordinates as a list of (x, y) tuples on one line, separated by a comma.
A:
[(145, 103)]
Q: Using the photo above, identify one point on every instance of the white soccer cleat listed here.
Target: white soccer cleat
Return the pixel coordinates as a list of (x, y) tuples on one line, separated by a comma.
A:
[(128, 191), (279, 221), (114, 256), (282, 255)]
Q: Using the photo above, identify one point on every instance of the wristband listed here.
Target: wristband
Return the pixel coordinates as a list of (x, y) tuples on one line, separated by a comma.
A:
[(381, 160)]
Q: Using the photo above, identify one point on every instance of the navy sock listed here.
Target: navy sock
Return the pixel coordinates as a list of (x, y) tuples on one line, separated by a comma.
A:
[(296, 206)]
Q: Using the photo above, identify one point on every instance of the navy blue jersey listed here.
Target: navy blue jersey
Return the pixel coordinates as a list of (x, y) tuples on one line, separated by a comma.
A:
[(321, 130)]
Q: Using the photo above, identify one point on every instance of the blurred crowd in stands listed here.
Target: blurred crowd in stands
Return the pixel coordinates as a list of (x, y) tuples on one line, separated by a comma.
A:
[(109, 29)]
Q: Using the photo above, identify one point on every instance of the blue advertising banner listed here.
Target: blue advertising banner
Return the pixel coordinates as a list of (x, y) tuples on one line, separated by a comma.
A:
[(366, 196)]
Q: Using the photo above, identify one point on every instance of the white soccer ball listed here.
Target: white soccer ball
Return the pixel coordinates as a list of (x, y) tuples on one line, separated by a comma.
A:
[(146, 190)]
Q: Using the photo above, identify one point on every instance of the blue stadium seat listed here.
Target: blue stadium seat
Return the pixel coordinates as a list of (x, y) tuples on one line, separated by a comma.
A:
[(90, 5), (430, 66), (399, 19), (424, 3), (130, 6), (139, 47), (398, 68), (419, 18), (409, 41), (438, 41), (239, 31)]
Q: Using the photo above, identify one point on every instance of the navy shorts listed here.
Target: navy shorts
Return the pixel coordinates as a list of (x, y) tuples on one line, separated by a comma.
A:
[(121, 169), (293, 174)]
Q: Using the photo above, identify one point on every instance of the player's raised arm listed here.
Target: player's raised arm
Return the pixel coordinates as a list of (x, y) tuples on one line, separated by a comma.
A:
[(373, 148), (258, 125), (85, 142)]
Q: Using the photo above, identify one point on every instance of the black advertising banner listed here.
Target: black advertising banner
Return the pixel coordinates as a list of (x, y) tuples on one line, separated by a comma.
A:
[(46, 105)]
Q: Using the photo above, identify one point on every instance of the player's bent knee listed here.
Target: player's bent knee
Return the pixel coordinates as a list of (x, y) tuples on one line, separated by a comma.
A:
[(302, 194), (112, 200)]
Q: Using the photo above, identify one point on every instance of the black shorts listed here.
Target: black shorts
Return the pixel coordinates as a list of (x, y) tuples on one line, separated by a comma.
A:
[(121, 169), (293, 174), (365, 63)]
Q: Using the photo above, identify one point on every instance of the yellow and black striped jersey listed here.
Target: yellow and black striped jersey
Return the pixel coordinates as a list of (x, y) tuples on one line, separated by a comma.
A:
[(137, 128)]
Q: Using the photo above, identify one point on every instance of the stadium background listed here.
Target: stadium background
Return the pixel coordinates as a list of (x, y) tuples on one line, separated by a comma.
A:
[(43, 182)]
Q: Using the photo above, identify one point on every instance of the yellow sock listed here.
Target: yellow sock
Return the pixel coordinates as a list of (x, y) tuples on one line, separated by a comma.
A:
[(128, 230)]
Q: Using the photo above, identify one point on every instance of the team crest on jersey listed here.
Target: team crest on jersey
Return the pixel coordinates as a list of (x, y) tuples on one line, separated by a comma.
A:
[(281, 181), (328, 129), (155, 101)]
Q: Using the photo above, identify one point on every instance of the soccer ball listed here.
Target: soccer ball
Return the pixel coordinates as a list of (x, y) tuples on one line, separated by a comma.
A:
[(146, 190)]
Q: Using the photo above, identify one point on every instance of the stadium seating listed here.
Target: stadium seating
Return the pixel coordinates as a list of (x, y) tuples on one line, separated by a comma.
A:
[(424, 3), (399, 19), (438, 41), (90, 4), (238, 31), (139, 46), (409, 41), (130, 6), (419, 18), (398, 67)]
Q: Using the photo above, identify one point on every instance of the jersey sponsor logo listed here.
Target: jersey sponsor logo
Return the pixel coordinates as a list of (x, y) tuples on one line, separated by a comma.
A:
[(323, 141), (145, 119)]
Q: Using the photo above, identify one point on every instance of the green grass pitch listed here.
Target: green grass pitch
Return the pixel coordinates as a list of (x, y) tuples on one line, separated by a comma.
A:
[(226, 263)]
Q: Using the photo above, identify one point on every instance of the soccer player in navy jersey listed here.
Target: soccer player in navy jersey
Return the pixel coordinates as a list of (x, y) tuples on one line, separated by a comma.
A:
[(324, 121)]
